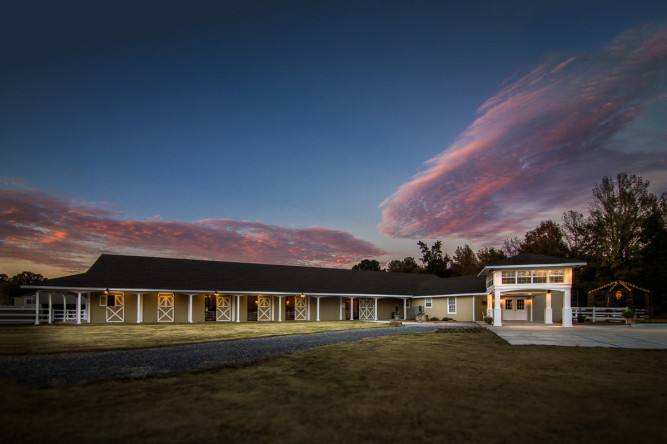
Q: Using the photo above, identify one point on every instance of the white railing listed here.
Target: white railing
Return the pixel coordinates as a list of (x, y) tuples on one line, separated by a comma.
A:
[(598, 314), (22, 315), (26, 315), (69, 315)]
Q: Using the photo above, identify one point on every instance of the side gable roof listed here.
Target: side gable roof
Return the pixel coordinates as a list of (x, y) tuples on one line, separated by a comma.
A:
[(128, 273), (527, 260), (470, 284)]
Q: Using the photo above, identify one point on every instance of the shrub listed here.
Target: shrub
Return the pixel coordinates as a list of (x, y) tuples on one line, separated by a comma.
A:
[(489, 320), (434, 318)]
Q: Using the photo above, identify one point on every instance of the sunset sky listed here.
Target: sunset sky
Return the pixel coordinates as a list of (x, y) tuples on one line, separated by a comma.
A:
[(315, 132)]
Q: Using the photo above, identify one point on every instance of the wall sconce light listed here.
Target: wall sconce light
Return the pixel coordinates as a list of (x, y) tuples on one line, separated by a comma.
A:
[(106, 291)]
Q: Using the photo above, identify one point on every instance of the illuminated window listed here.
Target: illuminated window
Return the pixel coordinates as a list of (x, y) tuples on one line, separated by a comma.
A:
[(509, 277), (523, 277), (451, 306), (428, 303), (539, 276), (556, 276)]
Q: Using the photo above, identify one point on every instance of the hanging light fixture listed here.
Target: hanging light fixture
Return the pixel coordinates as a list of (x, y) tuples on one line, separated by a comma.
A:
[(303, 295)]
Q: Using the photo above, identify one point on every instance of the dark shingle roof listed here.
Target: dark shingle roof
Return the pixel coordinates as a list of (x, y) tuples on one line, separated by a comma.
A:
[(534, 259), (457, 285), (139, 272)]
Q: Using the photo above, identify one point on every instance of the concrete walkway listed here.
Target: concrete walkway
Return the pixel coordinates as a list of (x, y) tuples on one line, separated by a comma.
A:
[(649, 336)]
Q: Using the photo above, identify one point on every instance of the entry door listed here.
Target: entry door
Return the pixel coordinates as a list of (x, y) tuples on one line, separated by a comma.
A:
[(520, 312), (514, 309), (223, 308), (165, 307), (355, 308)]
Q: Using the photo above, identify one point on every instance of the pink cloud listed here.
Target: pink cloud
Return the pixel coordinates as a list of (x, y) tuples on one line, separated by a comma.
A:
[(539, 145), (44, 229)]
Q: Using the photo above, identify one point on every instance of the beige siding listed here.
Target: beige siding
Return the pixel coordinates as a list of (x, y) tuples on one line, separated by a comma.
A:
[(329, 308), (464, 307)]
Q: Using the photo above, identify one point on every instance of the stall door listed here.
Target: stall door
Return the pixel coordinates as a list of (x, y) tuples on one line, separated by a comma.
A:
[(300, 309), (264, 308), (165, 307), (223, 308)]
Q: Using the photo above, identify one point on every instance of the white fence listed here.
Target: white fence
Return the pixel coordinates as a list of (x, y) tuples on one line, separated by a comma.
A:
[(27, 315), (600, 314)]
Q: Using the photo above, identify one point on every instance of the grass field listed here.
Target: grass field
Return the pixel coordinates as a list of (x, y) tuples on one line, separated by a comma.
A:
[(419, 388), (98, 337)]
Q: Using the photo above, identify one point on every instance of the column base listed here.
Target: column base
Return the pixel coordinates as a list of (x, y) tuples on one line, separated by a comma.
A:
[(497, 317), (567, 317), (548, 316)]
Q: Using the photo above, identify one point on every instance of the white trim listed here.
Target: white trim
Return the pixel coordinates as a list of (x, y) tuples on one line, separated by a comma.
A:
[(450, 295), (500, 267), (456, 306), (230, 292)]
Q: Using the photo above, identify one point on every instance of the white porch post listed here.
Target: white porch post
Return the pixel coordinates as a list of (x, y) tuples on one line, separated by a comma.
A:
[(548, 313), (567, 308), (340, 307), (89, 298), (405, 309), (64, 307), (280, 308), (138, 308), (375, 310), (78, 307), (189, 309), (318, 309), (50, 308), (37, 308), (308, 308), (497, 312), (473, 308), (351, 308), (238, 308)]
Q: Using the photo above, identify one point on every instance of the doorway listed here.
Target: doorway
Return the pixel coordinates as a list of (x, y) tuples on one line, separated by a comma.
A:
[(347, 309), (514, 309)]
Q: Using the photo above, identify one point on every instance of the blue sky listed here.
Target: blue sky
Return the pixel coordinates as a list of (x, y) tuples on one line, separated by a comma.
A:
[(257, 121)]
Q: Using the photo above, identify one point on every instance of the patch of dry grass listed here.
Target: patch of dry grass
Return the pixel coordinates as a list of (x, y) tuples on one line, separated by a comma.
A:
[(96, 337), (419, 388)]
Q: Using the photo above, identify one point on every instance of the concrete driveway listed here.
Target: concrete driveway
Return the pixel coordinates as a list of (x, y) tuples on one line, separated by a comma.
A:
[(653, 336)]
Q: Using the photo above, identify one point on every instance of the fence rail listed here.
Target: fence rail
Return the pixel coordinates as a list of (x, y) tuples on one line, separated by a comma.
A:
[(599, 314), (27, 315)]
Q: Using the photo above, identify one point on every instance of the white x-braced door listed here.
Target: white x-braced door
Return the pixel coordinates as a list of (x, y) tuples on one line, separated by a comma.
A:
[(223, 308), (263, 308), (165, 307), (116, 312), (366, 308), (300, 309)]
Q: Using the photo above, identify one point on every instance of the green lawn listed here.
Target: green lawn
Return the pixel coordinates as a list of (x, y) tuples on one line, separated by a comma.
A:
[(96, 337), (412, 388)]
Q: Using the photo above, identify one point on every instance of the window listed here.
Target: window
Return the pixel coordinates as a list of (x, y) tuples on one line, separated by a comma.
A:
[(508, 304), (28, 301), (509, 277), (539, 276), (451, 305), (428, 303), (489, 281), (520, 304), (523, 277), (556, 276), (407, 303)]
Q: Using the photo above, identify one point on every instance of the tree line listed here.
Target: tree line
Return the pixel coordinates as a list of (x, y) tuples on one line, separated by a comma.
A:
[(623, 237)]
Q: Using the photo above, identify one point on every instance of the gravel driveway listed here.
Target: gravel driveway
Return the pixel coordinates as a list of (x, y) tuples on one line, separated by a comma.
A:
[(75, 368)]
